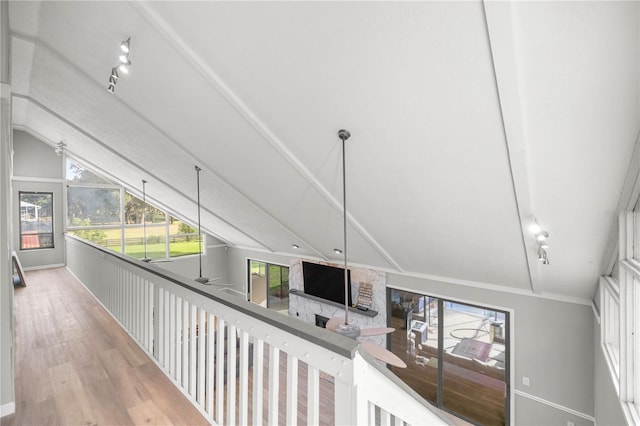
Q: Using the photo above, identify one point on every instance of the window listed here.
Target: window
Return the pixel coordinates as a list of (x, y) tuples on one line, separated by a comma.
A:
[(105, 214), (36, 220), (611, 324), (454, 352), (620, 316)]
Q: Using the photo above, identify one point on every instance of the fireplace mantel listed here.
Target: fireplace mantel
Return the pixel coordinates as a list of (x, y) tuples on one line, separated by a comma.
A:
[(370, 313)]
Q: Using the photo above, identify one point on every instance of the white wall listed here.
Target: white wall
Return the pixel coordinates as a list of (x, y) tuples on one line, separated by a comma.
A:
[(36, 167), (7, 398)]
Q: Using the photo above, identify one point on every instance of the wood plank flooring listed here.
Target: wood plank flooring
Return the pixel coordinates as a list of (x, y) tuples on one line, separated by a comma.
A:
[(76, 366)]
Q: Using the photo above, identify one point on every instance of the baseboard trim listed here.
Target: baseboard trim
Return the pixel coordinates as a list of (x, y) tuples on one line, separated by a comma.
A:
[(8, 408), (37, 268), (554, 405)]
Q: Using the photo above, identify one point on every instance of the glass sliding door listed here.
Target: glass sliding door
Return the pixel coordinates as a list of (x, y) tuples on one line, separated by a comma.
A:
[(456, 354), (269, 285), (474, 360), (415, 340)]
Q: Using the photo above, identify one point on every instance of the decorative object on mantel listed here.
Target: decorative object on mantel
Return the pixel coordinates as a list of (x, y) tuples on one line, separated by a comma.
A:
[(365, 294), (343, 326)]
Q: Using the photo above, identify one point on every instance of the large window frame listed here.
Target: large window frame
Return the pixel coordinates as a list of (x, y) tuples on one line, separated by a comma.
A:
[(29, 213), (627, 374), (121, 243)]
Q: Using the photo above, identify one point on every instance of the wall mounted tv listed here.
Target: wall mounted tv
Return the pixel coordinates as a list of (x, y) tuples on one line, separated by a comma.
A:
[(326, 282)]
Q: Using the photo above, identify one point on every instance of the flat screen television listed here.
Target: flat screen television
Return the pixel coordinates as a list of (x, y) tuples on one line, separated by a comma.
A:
[(326, 282)]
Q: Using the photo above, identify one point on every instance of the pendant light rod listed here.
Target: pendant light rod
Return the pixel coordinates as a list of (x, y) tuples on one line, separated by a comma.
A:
[(199, 229), (344, 135)]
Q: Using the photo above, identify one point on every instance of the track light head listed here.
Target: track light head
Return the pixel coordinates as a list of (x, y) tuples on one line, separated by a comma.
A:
[(111, 88), (123, 68), (541, 236), (112, 80), (124, 46), (542, 255), (114, 73)]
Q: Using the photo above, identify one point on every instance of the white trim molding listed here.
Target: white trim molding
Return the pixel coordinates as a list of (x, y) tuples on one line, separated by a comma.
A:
[(8, 408), (37, 268), (555, 405)]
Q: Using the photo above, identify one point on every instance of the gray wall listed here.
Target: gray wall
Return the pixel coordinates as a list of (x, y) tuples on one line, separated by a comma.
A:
[(6, 283), (36, 167), (214, 265), (608, 410), (553, 347)]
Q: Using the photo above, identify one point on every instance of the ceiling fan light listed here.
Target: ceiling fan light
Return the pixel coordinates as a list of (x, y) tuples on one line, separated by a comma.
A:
[(124, 59), (123, 69)]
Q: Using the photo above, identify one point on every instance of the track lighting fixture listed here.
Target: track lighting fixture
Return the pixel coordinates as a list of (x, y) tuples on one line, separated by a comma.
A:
[(59, 149), (123, 66), (124, 46), (542, 255), (541, 238)]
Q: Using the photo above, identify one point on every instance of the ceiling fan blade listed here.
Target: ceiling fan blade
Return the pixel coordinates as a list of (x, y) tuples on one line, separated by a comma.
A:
[(383, 354), (333, 323), (376, 331)]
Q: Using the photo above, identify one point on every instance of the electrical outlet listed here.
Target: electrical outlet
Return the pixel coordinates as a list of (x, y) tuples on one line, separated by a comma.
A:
[(525, 381)]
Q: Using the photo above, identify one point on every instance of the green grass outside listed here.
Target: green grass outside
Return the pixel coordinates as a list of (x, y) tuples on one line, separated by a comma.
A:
[(153, 232), (155, 251)]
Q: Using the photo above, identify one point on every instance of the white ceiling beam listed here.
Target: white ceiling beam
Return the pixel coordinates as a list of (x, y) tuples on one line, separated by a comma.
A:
[(503, 43)]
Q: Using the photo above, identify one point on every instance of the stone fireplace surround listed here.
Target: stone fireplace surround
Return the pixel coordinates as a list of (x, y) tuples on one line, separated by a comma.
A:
[(307, 308)]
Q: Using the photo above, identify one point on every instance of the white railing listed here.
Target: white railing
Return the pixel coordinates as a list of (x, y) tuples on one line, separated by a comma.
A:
[(227, 355)]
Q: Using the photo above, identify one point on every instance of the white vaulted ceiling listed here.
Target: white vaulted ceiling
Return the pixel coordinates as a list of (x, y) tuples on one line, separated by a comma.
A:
[(468, 119)]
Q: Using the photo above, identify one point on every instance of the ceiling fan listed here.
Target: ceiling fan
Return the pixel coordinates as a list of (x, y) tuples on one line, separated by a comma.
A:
[(342, 325), (200, 278)]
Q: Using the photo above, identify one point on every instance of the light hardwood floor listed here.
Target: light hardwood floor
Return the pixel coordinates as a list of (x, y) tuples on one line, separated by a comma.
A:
[(75, 365)]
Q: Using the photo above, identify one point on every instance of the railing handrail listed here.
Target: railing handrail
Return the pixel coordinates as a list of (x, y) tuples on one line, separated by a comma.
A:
[(331, 341)]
